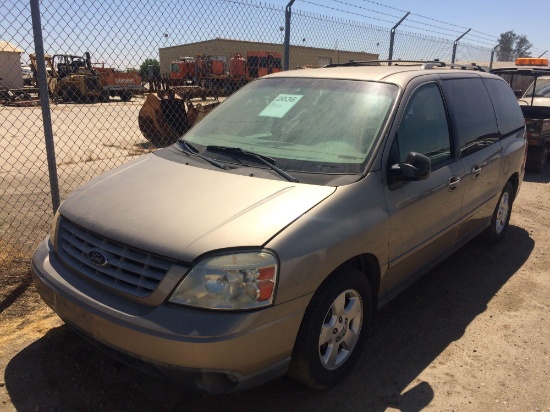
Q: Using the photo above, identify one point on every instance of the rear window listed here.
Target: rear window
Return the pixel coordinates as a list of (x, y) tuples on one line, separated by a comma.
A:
[(508, 112), (472, 114)]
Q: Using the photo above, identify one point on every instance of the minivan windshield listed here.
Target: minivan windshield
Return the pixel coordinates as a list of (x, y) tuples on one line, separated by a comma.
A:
[(305, 125)]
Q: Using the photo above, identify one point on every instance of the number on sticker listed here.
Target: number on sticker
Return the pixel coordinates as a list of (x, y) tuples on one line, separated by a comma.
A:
[(289, 99)]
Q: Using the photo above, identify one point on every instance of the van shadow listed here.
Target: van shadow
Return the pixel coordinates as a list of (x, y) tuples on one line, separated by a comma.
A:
[(543, 177), (61, 371)]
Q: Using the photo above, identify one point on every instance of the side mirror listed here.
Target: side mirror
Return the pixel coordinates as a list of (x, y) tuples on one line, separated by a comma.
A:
[(518, 93), (416, 167)]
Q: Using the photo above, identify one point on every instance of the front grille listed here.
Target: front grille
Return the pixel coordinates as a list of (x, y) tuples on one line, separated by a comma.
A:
[(127, 269)]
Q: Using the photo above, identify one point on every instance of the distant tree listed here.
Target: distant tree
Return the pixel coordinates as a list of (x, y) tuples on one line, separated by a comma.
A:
[(144, 69), (505, 50), (521, 47), (512, 46)]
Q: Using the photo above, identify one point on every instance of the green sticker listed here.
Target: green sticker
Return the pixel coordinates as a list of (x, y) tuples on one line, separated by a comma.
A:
[(281, 105)]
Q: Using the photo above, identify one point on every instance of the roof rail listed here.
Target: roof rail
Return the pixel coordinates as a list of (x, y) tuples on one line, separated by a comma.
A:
[(471, 66), (425, 64), (390, 62)]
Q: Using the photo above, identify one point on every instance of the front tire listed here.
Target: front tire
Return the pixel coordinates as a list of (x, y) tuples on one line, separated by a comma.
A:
[(501, 216), (333, 330)]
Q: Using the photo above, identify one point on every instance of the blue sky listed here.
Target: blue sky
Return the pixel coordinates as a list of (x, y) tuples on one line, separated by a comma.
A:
[(528, 17)]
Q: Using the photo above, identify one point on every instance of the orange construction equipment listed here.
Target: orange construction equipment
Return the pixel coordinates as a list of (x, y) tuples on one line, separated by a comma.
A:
[(183, 71), (117, 83), (263, 63), (212, 71), (237, 65)]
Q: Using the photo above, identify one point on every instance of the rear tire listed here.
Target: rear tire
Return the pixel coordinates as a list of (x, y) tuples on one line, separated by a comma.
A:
[(536, 159), (125, 96), (501, 216), (104, 97), (333, 330)]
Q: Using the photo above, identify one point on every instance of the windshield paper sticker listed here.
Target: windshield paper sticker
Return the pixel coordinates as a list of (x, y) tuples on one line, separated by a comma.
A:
[(281, 105)]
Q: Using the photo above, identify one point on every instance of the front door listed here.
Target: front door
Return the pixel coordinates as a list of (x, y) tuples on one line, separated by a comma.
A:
[(424, 215)]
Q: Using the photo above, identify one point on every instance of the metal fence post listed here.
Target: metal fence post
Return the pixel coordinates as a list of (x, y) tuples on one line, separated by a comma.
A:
[(455, 44), (288, 13), (392, 36), (45, 102), (493, 56)]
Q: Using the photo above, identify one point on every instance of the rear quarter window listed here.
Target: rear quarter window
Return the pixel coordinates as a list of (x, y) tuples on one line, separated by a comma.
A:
[(507, 110), (473, 119)]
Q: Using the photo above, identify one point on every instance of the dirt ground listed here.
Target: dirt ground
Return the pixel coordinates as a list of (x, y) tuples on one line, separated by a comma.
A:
[(472, 335)]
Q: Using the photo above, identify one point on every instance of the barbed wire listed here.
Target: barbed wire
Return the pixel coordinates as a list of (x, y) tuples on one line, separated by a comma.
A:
[(397, 17), (449, 33), (386, 21), (344, 11), (426, 17)]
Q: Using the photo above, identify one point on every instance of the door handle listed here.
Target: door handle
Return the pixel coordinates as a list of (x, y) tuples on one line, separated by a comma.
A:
[(453, 183), (476, 171)]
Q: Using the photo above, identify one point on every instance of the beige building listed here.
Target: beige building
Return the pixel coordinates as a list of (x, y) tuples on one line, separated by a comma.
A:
[(299, 55), (10, 66)]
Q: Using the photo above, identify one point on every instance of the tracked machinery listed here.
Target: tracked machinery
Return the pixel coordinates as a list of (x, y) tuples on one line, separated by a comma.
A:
[(168, 114), (70, 78)]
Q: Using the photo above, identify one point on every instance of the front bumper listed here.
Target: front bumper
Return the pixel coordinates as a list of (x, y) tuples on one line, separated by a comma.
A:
[(216, 351)]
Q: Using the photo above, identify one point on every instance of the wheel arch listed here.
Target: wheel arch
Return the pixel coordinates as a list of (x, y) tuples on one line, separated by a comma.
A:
[(369, 266), (514, 181)]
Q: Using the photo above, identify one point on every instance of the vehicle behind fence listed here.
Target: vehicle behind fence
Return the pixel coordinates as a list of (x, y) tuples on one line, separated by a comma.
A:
[(123, 78)]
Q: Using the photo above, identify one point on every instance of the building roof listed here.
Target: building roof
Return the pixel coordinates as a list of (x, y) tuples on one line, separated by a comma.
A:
[(8, 47), (292, 46)]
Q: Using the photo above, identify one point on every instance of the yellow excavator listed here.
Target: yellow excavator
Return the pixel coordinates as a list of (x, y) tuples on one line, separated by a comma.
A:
[(70, 78)]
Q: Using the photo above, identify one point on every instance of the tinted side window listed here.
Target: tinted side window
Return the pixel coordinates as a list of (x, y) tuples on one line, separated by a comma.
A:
[(472, 114), (424, 128), (509, 115)]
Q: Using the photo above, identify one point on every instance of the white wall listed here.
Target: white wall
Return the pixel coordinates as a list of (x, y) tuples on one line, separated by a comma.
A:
[(10, 70)]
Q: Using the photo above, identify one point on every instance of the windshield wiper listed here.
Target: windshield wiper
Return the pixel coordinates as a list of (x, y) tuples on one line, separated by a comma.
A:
[(266, 160), (190, 149)]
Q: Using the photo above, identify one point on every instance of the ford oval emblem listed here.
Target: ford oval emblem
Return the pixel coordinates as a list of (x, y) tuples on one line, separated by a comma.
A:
[(97, 257)]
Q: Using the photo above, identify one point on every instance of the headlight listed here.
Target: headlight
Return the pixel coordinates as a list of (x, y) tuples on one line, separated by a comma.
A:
[(236, 281), (53, 229)]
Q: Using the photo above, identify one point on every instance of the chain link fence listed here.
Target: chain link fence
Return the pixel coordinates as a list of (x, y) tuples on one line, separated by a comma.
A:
[(106, 58)]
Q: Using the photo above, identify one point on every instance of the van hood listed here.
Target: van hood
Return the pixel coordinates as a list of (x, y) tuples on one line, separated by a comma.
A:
[(182, 211)]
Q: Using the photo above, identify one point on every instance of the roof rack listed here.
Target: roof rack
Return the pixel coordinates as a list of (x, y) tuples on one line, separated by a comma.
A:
[(425, 64), (471, 66), (390, 62)]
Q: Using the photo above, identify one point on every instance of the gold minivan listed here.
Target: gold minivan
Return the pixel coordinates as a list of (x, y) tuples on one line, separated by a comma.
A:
[(262, 242)]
